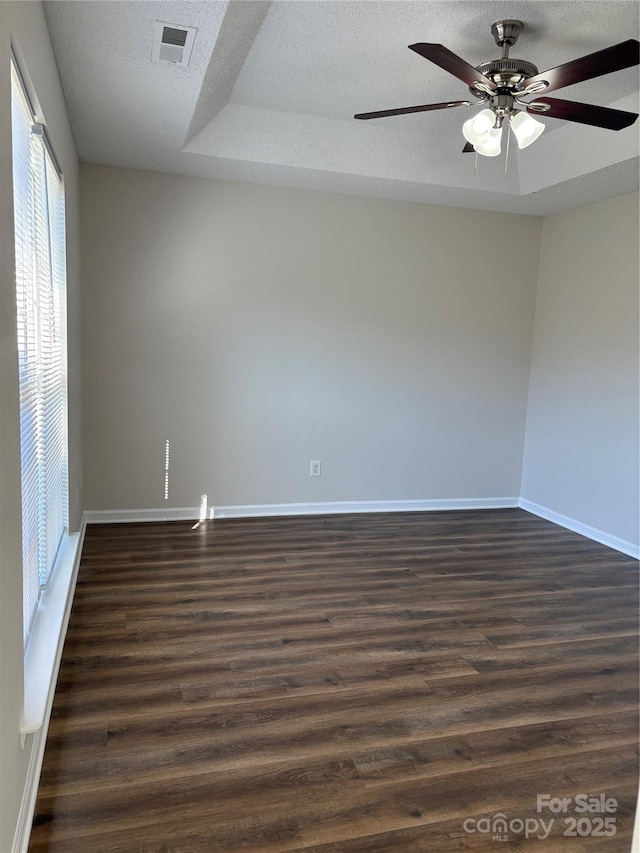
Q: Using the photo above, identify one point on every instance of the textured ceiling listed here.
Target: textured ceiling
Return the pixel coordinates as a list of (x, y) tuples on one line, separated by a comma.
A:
[(271, 90)]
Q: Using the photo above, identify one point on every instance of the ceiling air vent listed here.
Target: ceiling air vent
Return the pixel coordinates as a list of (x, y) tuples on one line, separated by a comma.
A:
[(173, 43)]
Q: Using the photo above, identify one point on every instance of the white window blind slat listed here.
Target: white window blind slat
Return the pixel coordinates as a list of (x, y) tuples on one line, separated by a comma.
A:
[(41, 327)]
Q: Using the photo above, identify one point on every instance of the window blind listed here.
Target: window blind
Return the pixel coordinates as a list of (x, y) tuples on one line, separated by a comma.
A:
[(41, 326)]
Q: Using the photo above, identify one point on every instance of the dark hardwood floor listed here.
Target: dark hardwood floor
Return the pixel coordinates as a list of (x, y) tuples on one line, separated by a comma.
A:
[(344, 684)]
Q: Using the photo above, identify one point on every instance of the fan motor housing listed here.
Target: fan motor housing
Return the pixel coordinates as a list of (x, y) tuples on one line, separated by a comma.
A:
[(506, 73)]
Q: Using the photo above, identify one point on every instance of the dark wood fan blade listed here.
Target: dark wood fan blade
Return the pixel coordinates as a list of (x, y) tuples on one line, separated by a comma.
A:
[(614, 58), (468, 148), (582, 113), (443, 57), (421, 109)]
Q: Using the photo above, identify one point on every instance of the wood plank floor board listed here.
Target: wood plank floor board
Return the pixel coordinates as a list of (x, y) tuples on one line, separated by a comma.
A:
[(340, 684), (324, 809), (412, 757)]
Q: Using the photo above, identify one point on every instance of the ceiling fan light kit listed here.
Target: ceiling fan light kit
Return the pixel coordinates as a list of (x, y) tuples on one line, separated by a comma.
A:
[(491, 146), (476, 130), (501, 84), (526, 129)]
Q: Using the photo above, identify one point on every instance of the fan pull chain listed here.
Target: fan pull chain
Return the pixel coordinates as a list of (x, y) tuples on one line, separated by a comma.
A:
[(506, 159), (475, 166)]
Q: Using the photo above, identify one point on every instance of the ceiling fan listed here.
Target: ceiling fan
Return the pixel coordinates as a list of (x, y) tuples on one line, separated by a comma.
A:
[(500, 85)]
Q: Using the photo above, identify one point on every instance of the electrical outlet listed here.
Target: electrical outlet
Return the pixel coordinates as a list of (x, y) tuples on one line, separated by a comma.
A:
[(315, 468)]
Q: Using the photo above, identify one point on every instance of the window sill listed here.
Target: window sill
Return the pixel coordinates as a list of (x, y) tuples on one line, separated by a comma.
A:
[(44, 650)]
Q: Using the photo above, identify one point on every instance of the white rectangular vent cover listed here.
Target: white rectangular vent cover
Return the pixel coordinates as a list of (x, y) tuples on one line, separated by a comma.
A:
[(173, 43)]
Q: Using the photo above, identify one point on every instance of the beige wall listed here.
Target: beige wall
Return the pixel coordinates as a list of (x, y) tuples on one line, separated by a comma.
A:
[(23, 24), (258, 328), (581, 456)]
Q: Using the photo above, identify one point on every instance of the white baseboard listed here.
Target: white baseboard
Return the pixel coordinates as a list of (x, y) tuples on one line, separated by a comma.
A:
[(340, 507), (119, 516), (30, 793), (628, 548), (114, 516), (64, 600), (635, 841)]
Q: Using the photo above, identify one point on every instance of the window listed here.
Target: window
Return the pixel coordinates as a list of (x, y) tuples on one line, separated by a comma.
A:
[(41, 325)]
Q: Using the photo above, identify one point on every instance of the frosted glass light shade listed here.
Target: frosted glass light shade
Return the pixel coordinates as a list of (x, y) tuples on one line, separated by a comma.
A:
[(477, 129), (490, 147), (526, 129)]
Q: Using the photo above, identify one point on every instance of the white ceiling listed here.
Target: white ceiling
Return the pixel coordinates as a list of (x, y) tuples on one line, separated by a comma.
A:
[(271, 90)]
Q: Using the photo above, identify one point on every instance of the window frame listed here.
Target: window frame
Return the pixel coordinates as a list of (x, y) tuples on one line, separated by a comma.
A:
[(41, 305)]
